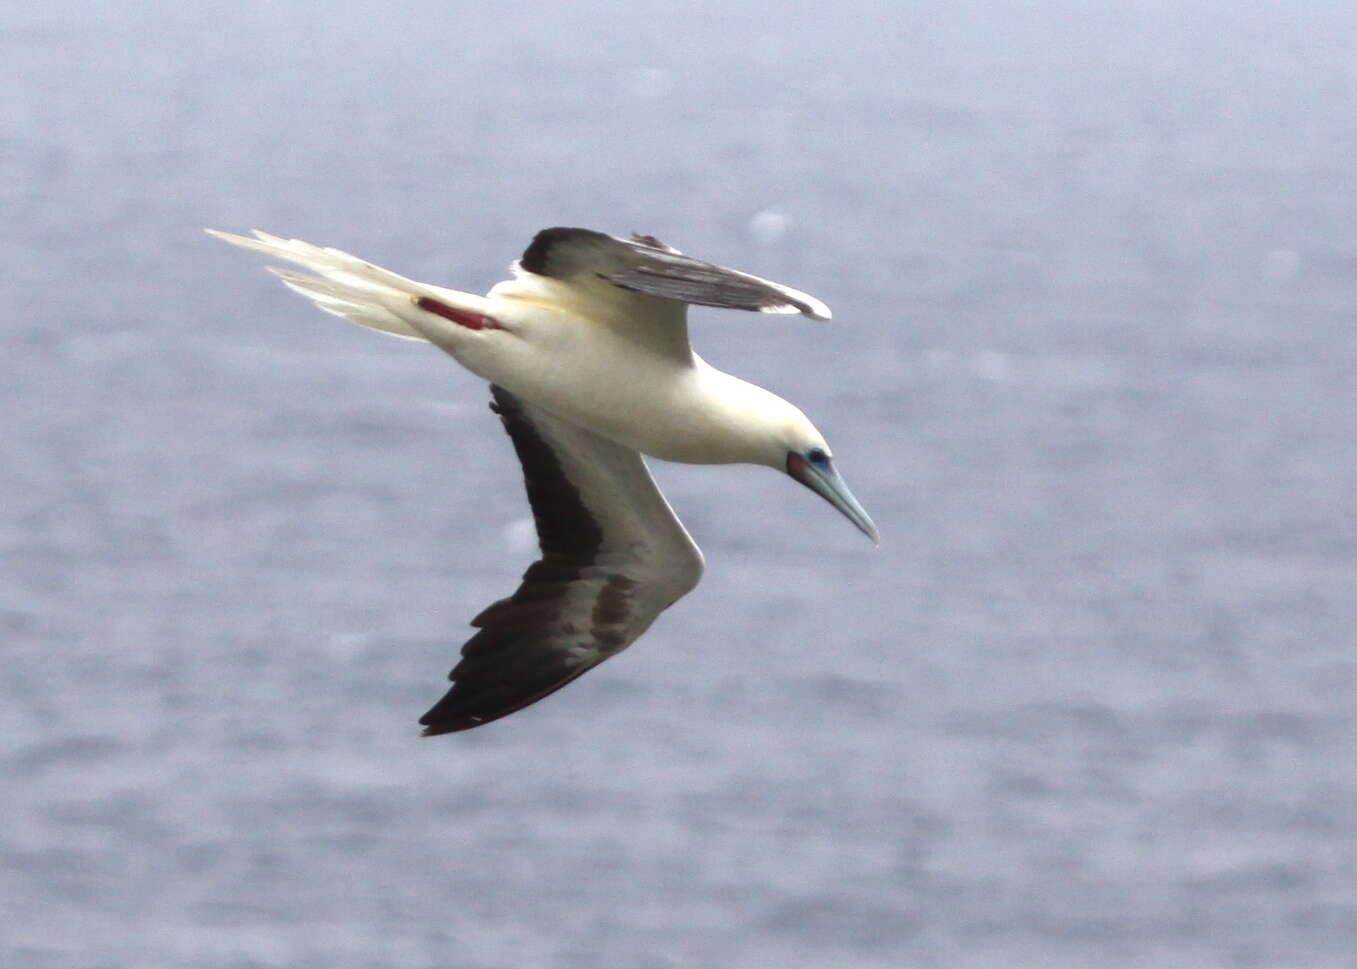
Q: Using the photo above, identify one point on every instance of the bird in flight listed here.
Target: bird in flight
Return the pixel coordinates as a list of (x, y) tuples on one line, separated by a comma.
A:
[(586, 350)]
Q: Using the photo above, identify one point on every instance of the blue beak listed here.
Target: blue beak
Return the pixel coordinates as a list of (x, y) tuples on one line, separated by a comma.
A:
[(822, 479)]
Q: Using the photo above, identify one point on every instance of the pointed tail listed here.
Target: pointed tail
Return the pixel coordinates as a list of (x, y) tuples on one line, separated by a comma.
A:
[(356, 290)]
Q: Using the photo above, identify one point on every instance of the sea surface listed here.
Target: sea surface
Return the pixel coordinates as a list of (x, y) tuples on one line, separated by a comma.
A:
[(1093, 370)]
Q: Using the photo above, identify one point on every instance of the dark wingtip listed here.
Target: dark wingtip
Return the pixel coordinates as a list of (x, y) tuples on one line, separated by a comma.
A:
[(445, 717), (451, 714), (439, 729)]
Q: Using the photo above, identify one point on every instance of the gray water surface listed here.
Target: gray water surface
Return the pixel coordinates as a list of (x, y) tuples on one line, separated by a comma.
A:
[(1091, 703)]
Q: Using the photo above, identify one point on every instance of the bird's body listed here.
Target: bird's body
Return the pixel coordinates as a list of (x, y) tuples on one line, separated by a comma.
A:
[(588, 355)]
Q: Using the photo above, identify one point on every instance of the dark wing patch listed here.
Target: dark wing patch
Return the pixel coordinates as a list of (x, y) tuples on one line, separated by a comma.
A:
[(693, 281), (596, 587), (518, 654), (560, 252), (566, 531), (645, 265)]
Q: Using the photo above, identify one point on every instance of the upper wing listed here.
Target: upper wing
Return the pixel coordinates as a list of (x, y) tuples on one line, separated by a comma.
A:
[(643, 264), (614, 556)]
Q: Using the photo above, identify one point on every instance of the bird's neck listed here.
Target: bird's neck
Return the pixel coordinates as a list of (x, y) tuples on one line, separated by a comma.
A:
[(732, 420)]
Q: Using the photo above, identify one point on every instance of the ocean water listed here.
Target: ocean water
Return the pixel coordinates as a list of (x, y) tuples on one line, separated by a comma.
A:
[(1094, 277)]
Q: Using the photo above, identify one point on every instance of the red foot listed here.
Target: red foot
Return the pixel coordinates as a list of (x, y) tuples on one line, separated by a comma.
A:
[(472, 321)]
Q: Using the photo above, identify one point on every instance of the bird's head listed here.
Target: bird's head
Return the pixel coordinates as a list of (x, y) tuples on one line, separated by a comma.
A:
[(807, 458), (765, 429)]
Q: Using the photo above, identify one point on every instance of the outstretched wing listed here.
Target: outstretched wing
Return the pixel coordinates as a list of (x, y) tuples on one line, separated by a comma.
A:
[(643, 264), (614, 557)]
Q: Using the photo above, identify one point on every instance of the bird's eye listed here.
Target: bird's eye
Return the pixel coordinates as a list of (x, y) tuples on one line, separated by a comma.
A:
[(817, 457)]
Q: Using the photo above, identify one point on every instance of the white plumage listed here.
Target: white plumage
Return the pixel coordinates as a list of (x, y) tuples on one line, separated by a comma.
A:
[(587, 350)]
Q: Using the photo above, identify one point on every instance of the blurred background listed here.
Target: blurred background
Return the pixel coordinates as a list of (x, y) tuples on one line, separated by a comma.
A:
[(1094, 276)]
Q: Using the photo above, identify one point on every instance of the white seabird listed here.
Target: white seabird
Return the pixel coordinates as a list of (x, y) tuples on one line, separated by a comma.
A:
[(587, 353)]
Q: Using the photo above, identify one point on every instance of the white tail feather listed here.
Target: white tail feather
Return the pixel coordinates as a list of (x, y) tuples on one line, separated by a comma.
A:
[(349, 287), (360, 305)]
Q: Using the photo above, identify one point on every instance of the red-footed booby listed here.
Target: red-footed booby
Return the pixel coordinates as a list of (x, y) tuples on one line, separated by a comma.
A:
[(586, 350)]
